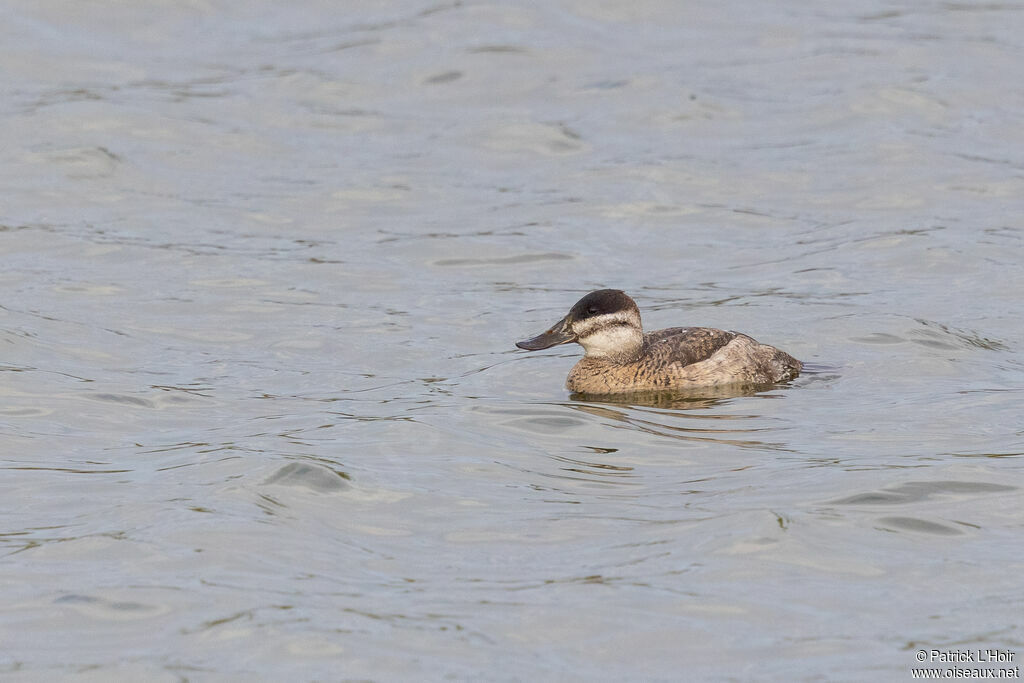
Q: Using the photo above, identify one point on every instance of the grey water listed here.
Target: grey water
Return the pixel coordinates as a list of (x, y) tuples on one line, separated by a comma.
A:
[(263, 265)]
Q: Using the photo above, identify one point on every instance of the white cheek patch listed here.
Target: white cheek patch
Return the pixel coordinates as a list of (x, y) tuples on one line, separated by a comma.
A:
[(613, 334)]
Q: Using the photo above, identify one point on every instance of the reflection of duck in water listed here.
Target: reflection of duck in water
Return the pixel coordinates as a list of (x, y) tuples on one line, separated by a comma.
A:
[(618, 357)]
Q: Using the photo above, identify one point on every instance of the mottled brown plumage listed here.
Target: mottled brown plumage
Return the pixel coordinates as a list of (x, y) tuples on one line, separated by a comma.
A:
[(620, 358)]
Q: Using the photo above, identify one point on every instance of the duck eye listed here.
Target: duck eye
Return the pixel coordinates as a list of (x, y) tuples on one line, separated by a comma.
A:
[(592, 310)]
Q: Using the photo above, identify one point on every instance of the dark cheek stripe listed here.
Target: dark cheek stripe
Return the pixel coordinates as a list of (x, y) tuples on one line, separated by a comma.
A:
[(587, 331)]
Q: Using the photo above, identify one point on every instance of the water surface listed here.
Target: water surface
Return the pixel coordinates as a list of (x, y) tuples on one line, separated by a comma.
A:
[(264, 265)]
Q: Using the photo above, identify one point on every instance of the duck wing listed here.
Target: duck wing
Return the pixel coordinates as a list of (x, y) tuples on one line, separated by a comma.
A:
[(685, 345)]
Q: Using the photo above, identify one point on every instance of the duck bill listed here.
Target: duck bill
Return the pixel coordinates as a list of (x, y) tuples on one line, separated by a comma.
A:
[(558, 334)]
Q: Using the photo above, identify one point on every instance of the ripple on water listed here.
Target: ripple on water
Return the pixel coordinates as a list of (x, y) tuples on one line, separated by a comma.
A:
[(123, 399), (111, 608), (914, 524), (309, 476), (936, 335), (684, 424), (80, 162), (519, 259), (546, 424), (918, 493)]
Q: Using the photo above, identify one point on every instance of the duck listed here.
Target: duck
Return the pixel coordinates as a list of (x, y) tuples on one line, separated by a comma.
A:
[(618, 357)]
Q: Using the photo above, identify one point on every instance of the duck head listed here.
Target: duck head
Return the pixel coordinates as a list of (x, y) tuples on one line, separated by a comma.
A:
[(606, 323)]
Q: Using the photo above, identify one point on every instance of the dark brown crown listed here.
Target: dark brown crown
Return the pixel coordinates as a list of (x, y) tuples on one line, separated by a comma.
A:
[(602, 302)]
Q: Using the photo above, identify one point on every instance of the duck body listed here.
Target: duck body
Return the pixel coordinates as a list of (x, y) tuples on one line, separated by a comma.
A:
[(685, 358), (620, 358)]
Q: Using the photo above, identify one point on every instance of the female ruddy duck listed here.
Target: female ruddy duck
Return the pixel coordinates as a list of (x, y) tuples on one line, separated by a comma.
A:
[(619, 357)]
